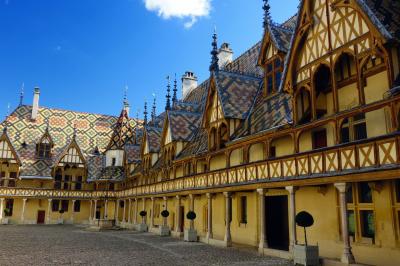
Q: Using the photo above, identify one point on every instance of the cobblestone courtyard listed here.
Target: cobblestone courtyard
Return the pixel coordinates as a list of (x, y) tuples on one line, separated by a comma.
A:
[(70, 245)]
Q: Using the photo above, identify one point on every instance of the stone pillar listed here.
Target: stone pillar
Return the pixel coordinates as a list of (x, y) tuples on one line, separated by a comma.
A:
[(136, 211), (144, 208), (347, 256), (117, 211), (178, 215), (165, 219), (23, 211), (105, 209), (129, 210), (228, 206), (191, 197), (209, 216), (73, 211), (95, 210), (90, 211), (262, 243), (292, 216), (1, 208), (124, 213), (152, 212)]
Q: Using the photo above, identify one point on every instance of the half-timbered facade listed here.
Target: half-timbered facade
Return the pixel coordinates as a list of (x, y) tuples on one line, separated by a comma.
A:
[(306, 119)]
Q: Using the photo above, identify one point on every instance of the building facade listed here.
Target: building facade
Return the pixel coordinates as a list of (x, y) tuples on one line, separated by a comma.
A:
[(305, 120)]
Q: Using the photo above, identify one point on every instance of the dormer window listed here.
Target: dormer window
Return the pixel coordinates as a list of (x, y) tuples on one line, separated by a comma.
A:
[(43, 148), (113, 161), (273, 75)]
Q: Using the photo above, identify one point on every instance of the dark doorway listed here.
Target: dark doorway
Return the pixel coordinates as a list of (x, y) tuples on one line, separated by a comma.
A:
[(277, 222), (97, 214), (182, 218), (40, 217)]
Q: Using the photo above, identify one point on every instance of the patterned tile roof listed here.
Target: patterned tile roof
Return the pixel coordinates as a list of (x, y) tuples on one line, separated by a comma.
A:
[(91, 130), (133, 153), (281, 36), (246, 63), (122, 133), (183, 124), (236, 93), (154, 138), (198, 145), (385, 14), (267, 113)]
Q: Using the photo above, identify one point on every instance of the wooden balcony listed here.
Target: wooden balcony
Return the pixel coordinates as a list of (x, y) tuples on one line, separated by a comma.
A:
[(376, 154)]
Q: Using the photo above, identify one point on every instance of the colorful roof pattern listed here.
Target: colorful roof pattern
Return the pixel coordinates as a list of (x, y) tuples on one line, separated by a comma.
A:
[(92, 130), (183, 124), (246, 64), (122, 133), (236, 93), (154, 138)]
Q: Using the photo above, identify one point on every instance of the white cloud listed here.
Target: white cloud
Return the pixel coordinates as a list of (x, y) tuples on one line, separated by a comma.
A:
[(190, 10)]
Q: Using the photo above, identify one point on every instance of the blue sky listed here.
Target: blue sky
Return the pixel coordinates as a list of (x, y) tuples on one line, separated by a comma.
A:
[(82, 53)]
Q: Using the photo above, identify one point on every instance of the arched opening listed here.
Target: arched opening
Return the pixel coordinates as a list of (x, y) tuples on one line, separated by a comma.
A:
[(223, 135), (256, 152), (323, 91), (375, 79), (317, 138), (281, 146), (218, 162), (303, 106), (236, 157), (346, 82)]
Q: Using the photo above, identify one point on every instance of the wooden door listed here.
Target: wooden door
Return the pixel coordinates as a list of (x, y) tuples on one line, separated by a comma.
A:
[(41, 217)]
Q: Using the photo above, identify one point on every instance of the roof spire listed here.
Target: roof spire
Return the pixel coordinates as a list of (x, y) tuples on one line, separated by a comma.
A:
[(175, 97), (137, 124), (125, 102), (267, 14), (153, 110), (145, 113), (21, 94), (168, 96), (214, 53)]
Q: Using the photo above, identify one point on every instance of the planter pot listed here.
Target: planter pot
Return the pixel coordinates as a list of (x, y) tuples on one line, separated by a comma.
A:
[(164, 230), (4, 221), (306, 255), (142, 227), (190, 235)]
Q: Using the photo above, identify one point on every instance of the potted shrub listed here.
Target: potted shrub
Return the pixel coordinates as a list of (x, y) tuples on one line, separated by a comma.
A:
[(142, 227), (7, 212), (305, 254), (190, 235), (164, 229)]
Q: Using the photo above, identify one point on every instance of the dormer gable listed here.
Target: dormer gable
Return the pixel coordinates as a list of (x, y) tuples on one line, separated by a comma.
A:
[(7, 151), (44, 146), (72, 155)]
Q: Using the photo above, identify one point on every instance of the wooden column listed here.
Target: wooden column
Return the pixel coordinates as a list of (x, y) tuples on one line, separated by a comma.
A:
[(72, 211), (209, 216), (136, 211), (152, 212), (191, 197), (262, 243), (1, 208), (165, 219), (347, 256), (90, 211), (228, 206), (117, 211), (292, 216), (94, 210), (124, 213), (48, 218), (105, 209)]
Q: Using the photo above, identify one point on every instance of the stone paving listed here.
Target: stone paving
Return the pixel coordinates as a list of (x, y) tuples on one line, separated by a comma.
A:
[(72, 245)]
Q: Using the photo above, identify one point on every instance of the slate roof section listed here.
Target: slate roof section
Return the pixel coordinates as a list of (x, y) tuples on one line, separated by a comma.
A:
[(246, 64), (133, 154), (281, 36), (122, 133), (183, 125), (154, 138), (385, 14), (236, 92), (91, 130), (197, 146)]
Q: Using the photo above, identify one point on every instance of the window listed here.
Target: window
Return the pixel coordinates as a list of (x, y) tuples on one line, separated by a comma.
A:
[(43, 148), (243, 210), (55, 205), (67, 178), (360, 212), (10, 207), (345, 68), (319, 139), (77, 206), (273, 75), (78, 184), (303, 106), (64, 205), (354, 128), (113, 161), (323, 90)]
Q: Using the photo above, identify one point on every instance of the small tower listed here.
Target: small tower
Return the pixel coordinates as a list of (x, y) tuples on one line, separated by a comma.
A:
[(214, 53), (145, 114), (175, 97), (126, 103), (153, 109), (168, 96), (21, 95), (267, 14)]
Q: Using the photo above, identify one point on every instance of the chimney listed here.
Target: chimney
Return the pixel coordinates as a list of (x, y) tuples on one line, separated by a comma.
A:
[(126, 107), (35, 104), (189, 83), (225, 55)]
